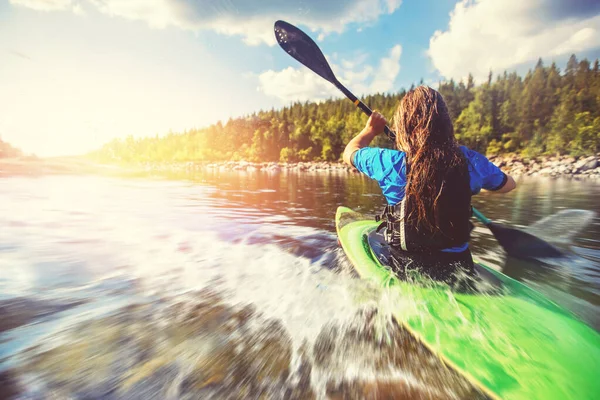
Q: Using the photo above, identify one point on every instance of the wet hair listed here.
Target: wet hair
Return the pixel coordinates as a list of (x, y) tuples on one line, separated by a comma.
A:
[(425, 133)]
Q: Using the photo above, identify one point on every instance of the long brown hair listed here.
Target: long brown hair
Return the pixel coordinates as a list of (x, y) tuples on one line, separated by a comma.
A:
[(425, 133)]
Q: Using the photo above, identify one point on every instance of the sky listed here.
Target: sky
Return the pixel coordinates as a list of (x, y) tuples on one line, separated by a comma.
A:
[(75, 74)]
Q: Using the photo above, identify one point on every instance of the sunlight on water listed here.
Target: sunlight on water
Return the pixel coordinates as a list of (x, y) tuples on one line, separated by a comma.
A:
[(120, 288)]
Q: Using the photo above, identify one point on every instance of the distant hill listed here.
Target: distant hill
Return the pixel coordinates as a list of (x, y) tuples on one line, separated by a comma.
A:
[(7, 151)]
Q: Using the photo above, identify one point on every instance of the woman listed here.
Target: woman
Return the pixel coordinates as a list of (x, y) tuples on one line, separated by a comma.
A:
[(427, 183)]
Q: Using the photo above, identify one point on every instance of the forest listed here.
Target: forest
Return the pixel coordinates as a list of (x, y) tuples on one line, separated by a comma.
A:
[(547, 112)]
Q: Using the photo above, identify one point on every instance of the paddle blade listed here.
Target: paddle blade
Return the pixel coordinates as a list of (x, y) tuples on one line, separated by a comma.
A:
[(521, 244), (298, 45), (562, 226)]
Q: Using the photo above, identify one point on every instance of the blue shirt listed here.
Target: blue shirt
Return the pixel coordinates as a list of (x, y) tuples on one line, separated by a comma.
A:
[(388, 168)]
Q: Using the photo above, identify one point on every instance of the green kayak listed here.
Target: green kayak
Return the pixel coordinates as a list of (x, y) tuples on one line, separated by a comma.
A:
[(511, 342)]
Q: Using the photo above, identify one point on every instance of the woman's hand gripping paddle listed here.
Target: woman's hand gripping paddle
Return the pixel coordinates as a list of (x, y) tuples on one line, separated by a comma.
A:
[(301, 47)]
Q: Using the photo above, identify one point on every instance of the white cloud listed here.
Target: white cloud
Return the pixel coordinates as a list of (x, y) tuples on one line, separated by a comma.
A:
[(579, 40), (356, 77), (301, 84), (393, 5), (388, 70), (78, 9), (497, 35), (43, 5), (292, 84), (251, 19), (157, 13), (357, 59)]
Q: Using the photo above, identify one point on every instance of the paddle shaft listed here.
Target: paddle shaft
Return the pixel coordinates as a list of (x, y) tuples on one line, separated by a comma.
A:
[(482, 218), (363, 107)]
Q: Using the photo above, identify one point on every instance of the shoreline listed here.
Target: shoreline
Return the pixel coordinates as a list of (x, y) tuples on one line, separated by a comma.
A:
[(553, 167), (550, 166)]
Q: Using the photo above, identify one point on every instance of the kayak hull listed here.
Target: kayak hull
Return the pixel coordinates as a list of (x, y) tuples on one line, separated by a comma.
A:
[(513, 344)]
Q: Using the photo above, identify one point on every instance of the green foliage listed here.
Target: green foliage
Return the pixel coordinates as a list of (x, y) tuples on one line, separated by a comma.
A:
[(305, 154), (473, 126), (585, 130), (546, 112), (287, 155), (494, 147)]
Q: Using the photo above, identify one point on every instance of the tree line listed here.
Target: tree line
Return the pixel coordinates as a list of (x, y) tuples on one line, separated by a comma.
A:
[(548, 111)]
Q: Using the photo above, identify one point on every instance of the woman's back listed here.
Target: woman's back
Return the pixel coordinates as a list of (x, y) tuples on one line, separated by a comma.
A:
[(429, 181), (389, 168)]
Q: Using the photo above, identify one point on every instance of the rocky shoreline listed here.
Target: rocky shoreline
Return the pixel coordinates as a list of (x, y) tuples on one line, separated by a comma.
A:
[(561, 166), (553, 167)]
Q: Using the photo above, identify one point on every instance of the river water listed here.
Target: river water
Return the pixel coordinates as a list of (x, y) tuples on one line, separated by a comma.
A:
[(232, 285)]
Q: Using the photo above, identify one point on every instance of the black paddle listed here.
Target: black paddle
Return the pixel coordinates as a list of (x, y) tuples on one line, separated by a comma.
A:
[(517, 243), (299, 45)]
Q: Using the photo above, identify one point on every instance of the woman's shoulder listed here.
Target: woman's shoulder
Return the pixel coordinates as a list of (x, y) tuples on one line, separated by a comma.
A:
[(381, 153), (377, 163), (472, 155), (394, 154)]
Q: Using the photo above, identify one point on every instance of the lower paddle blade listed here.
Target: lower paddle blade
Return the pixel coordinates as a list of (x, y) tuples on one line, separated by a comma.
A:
[(521, 244), (562, 226), (300, 46)]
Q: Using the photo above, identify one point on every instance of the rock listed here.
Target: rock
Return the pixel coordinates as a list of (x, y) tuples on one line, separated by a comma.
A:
[(587, 164)]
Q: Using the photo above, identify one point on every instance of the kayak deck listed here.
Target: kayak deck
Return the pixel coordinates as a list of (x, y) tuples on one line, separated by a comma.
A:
[(513, 344)]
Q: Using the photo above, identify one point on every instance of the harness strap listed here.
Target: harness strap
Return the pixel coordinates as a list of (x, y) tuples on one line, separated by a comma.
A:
[(394, 234), (402, 225)]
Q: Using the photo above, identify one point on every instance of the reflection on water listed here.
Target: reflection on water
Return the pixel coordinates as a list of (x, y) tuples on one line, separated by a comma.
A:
[(231, 284)]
